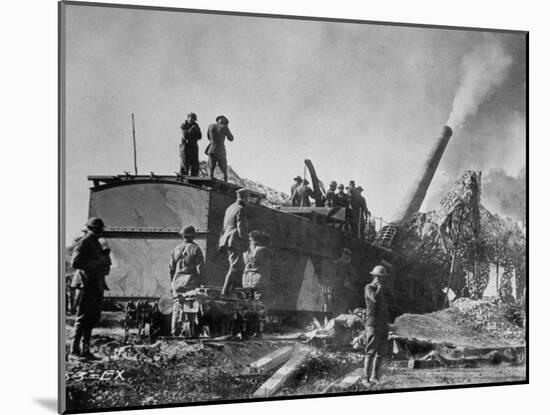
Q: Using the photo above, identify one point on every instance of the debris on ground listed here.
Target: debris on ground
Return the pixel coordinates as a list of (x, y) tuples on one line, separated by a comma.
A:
[(461, 344), (275, 382)]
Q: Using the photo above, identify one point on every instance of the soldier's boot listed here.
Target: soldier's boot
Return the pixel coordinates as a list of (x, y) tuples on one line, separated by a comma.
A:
[(377, 363), (86, 353), (367, 368)]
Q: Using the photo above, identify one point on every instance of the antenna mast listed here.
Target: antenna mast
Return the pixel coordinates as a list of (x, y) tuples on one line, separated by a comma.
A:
[(134, 137)]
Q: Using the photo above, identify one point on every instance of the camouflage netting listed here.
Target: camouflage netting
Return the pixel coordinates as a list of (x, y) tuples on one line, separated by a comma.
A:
[(463, 234), (273, 197)]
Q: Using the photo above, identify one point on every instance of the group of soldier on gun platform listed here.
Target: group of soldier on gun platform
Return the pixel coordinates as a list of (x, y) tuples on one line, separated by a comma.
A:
[(248, 254), (352, 200)]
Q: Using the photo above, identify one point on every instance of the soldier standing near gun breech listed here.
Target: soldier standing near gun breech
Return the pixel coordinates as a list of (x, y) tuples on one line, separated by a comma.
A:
[(189, 147), (360, 211), (233, 240), (341, 199), (298, 182), (376, 324), (217, 133), (94, 262), (330, 200), (185, 268), (302, 195)]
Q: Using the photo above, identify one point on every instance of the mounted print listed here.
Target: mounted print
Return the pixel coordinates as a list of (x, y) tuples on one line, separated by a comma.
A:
[(258, 206)]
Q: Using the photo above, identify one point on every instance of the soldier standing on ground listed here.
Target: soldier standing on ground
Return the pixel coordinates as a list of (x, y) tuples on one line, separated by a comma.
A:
[(185, 268), (94, 263), (233, 240), (376, 324), (189, 147), (257, 260), (217, 133), (346, 276), (295, 185)]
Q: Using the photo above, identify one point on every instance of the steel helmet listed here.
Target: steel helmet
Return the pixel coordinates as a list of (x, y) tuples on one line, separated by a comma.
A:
[(94, 222), (379, 270)]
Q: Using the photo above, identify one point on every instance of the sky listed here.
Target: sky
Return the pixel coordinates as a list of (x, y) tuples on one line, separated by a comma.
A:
[(363, 102)]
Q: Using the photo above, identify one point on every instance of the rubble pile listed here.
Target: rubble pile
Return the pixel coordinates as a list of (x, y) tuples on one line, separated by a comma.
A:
[(338, 333)]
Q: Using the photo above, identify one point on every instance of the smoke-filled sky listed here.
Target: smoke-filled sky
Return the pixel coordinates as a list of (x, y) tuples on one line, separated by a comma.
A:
[(363, 102)]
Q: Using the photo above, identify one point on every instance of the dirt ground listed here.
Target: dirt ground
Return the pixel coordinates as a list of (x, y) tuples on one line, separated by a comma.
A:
[(175, 371)]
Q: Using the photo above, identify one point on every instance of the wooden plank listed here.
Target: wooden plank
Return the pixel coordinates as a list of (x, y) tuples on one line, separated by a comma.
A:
[(273, 360), (275, 382), (351, 379)]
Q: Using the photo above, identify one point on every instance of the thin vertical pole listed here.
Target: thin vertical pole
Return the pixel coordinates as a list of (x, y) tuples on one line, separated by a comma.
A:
[(134, 137)]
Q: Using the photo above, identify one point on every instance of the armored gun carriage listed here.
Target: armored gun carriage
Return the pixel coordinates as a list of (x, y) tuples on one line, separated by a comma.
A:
[(144, 215)]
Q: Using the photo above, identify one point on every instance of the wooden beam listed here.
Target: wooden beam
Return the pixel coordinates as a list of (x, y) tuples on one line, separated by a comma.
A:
[(351, 379), (275, 382), (272, 360)]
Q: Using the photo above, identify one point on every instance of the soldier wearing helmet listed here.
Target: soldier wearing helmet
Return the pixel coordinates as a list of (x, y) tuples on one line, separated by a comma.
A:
[(189, 147), (330, 198), (186, 262), (92, 261), (376, 324)]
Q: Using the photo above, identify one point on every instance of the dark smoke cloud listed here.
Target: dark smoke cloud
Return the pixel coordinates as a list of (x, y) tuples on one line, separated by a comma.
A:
[(505, 194)]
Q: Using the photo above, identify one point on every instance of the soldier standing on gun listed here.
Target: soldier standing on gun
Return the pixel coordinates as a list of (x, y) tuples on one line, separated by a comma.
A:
[(185, 267), (233, 240), (331, 195), (295, 185), (302, 195), (341, 199), (94, 263), (189, 147), (217, 133), (376, 324), (360, 210)]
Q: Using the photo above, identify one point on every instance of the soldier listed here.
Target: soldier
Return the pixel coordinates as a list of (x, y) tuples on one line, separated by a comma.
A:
[(346, 277), (376, 324), (185, 268), (302, 195), (360, 211), (94, 264), (189, 147), (331, 195), (257, 260), (341, 198), (233, 240), (351, 189), (217, 133), (298, 182)]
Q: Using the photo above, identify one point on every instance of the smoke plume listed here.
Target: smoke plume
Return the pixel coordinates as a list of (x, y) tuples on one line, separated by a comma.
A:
[(481, 72), (505, 194)]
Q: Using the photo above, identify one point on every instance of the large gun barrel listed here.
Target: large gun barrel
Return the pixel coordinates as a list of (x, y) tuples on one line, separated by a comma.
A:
[(417, 192)]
